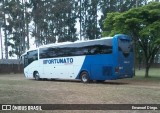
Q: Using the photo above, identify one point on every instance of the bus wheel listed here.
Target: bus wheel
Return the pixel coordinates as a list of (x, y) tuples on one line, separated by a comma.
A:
[(36, 76), (84, 77)]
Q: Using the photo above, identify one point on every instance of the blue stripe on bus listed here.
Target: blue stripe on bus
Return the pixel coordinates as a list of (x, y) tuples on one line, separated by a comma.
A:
[(96, 68)]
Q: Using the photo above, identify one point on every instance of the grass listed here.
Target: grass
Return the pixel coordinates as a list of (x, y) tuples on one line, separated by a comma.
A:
[(16, 89), (154, 74)]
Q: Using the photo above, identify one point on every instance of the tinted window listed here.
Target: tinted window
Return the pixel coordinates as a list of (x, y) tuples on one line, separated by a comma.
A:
[(125, 46), (101, 49), (51, 52), (86, 48)]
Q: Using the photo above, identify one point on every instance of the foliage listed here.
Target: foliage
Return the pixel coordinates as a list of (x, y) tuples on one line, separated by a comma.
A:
[(108, 6), (88, 19), (53, 19), (15, 26), (142, 24)]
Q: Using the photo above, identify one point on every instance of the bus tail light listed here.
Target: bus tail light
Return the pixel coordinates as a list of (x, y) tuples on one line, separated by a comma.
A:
[(116, 69)]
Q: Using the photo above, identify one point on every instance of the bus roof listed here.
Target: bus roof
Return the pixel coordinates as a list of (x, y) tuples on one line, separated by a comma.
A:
[(66, 43), (76, 42)]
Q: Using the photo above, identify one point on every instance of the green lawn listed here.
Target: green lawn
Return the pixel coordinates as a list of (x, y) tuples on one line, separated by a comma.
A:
[(154, 74)]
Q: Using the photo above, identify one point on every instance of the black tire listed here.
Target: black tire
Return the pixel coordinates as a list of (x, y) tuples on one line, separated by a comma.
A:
[(84, 77), (36, 76), (100, 81)]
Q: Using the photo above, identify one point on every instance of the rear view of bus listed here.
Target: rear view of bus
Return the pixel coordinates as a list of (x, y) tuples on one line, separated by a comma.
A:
[(125, 61)]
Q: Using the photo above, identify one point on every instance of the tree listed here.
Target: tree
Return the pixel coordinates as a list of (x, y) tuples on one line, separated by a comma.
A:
[(143, 25), (92, 30), (54, 20), (65, 17), (108, 6), (15, 28), (3, 2), (88, 19)]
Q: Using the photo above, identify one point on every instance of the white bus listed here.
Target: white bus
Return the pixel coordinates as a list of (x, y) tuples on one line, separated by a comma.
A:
[(100, 59)]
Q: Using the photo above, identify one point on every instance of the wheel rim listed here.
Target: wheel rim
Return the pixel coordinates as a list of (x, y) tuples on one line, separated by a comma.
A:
[(37, 76), (84, 78)]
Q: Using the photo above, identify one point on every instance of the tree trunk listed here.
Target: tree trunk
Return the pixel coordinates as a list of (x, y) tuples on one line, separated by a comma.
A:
[(80, 20), (147, 71), (23, 30), (27, 25), (27, 35), (5, 34)]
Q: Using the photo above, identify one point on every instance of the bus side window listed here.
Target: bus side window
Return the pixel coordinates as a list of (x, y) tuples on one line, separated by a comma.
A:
[(101, 49)]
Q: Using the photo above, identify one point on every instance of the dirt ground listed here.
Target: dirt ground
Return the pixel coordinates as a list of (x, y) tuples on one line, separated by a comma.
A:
[(16, 89)]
